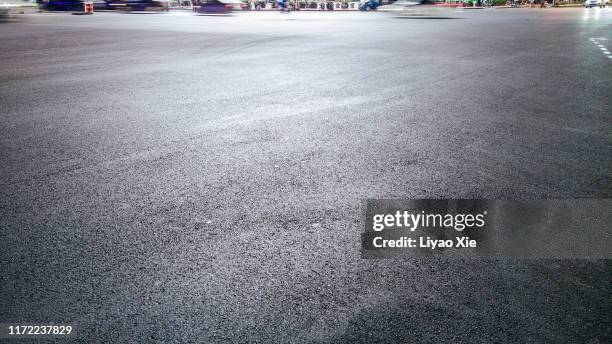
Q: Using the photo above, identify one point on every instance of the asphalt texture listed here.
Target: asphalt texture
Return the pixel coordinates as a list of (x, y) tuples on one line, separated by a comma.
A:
[(181, 178)]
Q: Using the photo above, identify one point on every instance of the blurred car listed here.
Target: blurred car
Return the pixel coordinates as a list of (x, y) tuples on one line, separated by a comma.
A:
[(139, 5), (368, 5), (61, 5), (68, 5), (596, 3), (399, 5), (218, 6), (14, 6)]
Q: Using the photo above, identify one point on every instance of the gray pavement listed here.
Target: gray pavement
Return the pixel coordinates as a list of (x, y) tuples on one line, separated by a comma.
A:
[(181, 178)]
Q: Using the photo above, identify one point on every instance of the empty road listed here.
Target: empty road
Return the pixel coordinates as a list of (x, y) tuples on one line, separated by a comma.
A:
[(182, 178)]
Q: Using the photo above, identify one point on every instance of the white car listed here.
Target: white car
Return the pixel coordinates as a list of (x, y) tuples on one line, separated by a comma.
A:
[(399, 5), (8, 6), (596, 3)]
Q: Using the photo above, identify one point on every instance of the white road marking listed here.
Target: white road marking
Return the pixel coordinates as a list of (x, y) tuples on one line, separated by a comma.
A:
[(597, 41)]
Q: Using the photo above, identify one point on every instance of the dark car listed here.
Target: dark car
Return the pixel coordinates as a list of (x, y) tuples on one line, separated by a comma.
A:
[(68, 5), (138, 5), (216, 6), (368, 5)]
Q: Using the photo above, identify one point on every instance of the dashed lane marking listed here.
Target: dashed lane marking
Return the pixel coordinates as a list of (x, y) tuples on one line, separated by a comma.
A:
[(597, 41)]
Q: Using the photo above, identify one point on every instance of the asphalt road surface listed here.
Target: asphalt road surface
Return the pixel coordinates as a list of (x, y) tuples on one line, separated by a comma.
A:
[(180, 178)]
